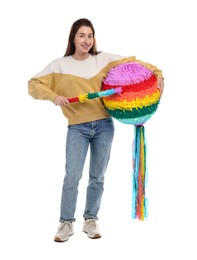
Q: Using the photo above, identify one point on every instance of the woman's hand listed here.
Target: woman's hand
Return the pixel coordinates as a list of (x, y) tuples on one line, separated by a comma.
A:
[(161, 85), (61, 101)]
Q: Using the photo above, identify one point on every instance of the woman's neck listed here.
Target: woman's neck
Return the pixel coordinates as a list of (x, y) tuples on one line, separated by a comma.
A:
[(81, 57)]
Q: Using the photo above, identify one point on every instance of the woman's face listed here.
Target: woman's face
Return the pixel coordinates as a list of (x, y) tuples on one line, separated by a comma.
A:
[(83, 40)]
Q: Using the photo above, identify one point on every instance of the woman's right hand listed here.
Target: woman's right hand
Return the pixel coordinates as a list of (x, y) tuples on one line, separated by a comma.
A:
[(61, 101)]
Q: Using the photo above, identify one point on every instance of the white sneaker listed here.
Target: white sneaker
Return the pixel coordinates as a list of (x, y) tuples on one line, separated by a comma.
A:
[(91, 228), (65, 230)]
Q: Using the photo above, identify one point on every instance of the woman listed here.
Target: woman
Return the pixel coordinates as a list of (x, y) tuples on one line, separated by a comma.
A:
[(82, 70)]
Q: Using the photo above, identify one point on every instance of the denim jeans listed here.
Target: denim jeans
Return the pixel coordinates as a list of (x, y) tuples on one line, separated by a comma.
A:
[(96, 135)]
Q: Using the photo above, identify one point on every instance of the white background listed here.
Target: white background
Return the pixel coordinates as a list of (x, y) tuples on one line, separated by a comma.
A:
[(33, 133)]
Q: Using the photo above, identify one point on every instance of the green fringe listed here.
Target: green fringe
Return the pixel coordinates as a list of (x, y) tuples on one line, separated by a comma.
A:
[(134, 113), (93, 95)]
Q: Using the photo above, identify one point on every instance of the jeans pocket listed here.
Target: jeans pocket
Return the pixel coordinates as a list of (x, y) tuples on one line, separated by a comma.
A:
[(108, 122)]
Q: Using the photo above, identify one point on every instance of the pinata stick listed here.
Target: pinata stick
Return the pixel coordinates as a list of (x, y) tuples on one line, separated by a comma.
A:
[(84, 97)]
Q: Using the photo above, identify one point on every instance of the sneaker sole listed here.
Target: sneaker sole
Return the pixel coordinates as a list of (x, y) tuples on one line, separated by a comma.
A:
[(58, 239), (94, 237)]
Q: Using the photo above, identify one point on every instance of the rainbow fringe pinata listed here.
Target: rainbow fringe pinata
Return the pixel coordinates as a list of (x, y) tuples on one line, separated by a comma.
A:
[(136, 103)]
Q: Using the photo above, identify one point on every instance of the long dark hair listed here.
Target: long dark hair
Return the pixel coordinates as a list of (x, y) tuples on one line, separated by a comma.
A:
[(74, 28)]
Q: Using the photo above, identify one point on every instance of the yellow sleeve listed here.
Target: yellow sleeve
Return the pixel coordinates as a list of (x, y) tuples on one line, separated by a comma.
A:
[(44, 84), (42, 87)]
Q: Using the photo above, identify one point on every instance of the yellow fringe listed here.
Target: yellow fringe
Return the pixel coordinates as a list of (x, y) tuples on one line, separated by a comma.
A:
[(83, 97), (137, 103)]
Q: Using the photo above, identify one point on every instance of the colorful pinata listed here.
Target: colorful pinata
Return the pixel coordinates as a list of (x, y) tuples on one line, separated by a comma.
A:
[(139, 97), (135, 104)]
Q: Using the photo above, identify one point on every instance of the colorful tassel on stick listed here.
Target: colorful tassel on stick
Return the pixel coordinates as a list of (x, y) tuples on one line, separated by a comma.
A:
[(139, 200), (84, 97)]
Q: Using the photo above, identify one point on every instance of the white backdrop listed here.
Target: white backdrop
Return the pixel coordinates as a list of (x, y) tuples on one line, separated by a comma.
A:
[(33, 133)]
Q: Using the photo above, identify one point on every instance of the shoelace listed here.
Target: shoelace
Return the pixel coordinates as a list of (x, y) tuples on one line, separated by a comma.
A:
[(92, 223), (62, 225)]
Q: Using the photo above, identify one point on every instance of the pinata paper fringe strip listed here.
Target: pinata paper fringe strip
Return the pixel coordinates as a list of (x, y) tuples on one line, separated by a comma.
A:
[(139, 180), (134, 113), (135, 103)]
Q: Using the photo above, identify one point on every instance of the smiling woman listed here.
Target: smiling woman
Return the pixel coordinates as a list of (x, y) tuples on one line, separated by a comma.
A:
[(82, 70), (81, 41)]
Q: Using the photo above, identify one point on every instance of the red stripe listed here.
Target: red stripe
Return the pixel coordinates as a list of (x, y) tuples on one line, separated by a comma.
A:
[(134, 87), (73, 99)]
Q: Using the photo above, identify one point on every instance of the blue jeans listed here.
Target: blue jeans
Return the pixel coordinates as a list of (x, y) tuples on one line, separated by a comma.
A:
[(97, 135)]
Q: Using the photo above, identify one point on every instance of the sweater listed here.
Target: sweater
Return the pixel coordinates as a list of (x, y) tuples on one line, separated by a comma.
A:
[(70, 78)]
